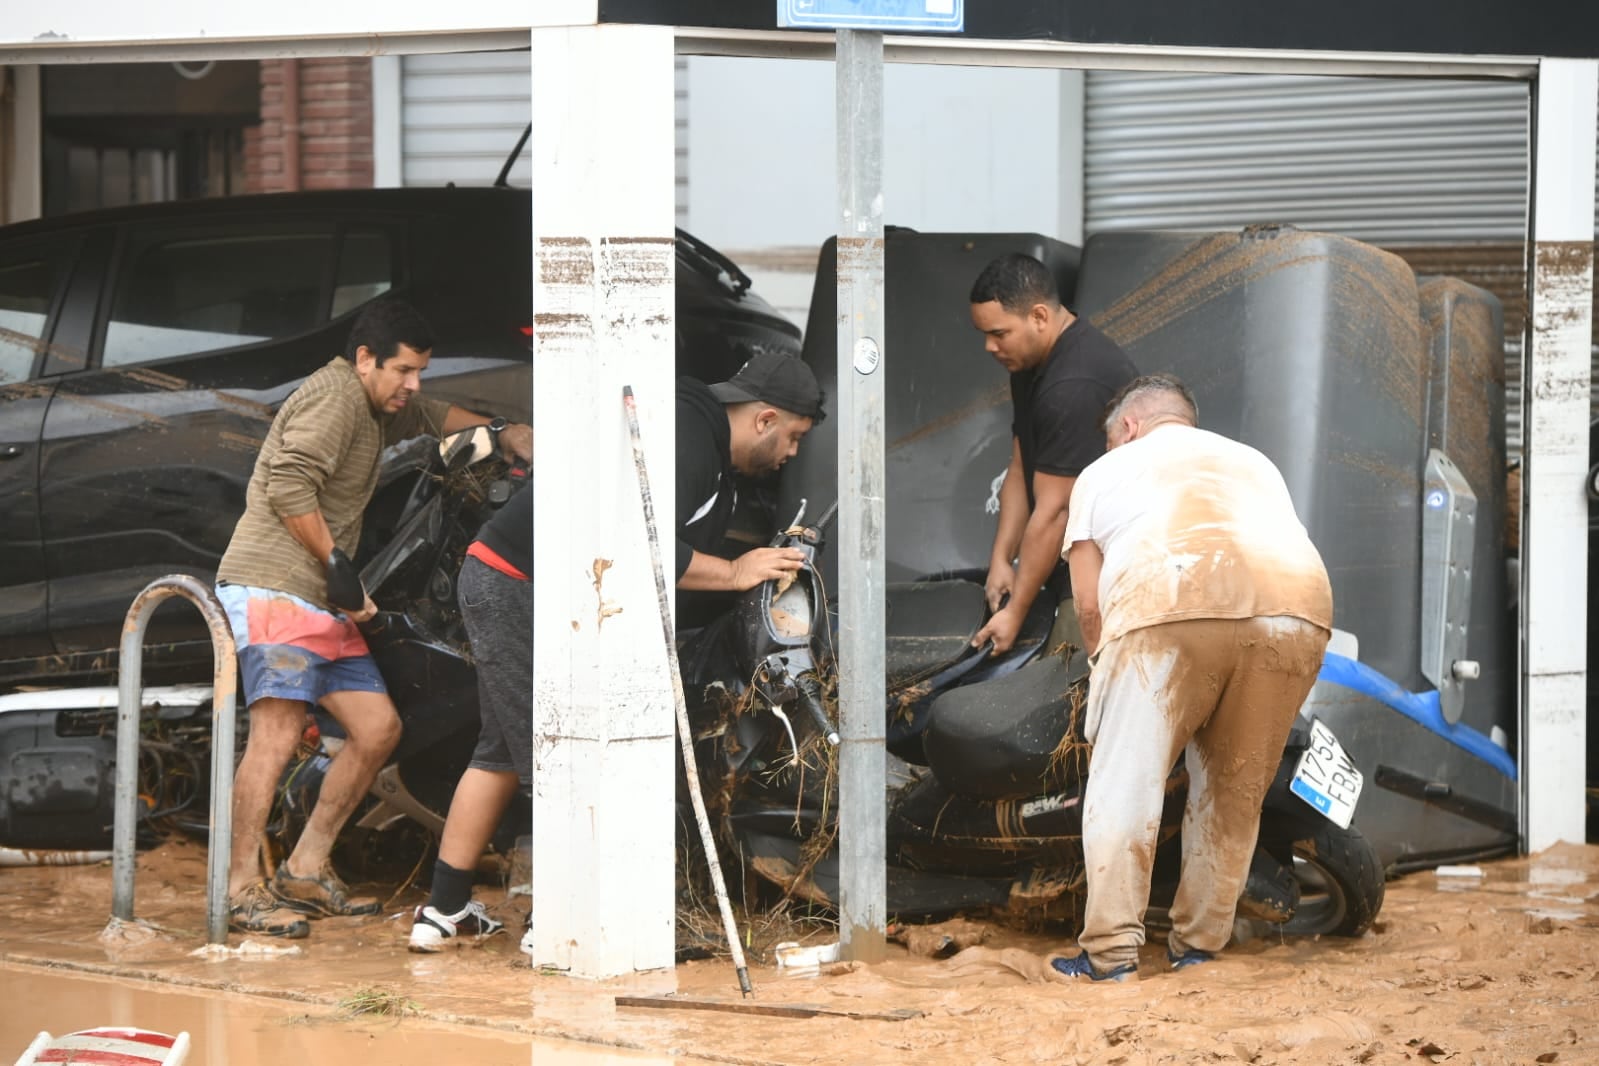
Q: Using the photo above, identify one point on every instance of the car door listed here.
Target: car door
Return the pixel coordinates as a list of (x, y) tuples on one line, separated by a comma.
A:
[(208, 324), (33, 277)]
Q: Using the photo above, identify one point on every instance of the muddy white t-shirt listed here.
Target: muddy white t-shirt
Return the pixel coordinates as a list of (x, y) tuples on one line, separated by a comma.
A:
[(1194, 525)]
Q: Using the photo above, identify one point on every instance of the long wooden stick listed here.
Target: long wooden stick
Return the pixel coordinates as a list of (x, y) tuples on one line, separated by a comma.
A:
[(684, 733), (772, 1010)]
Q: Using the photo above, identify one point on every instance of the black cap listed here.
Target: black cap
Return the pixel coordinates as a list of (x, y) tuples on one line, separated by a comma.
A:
[(780, 380)]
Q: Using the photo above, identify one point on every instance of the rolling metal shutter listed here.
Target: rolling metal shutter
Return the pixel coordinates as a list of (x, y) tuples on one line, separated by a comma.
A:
[(1384, 160), (1434, 170), (461, 114)]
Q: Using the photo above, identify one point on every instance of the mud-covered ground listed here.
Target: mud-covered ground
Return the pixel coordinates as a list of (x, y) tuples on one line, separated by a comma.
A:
[(1502, 968)]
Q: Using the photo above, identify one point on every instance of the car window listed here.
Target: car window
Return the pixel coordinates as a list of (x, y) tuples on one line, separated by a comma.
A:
[(366, 270), (27, 289), (198, 292)]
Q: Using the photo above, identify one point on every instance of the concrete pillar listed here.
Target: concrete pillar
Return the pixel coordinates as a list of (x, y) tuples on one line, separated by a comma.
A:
[(21, 170), (1555, 539), (1070, 176), (603, 719), (388, 163)]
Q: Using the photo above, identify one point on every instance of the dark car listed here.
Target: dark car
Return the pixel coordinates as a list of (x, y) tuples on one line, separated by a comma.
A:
[(144, 351)]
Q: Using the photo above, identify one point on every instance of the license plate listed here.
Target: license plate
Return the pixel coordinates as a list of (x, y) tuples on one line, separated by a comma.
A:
[(1326, 778)]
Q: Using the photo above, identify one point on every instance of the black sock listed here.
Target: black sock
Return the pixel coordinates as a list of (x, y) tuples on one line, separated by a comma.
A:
[(452, 888)]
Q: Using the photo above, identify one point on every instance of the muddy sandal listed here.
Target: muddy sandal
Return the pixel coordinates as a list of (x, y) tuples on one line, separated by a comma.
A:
[(257, 910), (320, 896)]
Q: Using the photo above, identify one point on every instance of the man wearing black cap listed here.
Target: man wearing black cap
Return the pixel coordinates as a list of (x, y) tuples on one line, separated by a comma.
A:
[(750, 424)]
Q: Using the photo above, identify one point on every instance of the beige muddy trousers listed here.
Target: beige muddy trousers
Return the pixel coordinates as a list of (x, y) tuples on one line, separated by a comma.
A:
[(1227, 691)]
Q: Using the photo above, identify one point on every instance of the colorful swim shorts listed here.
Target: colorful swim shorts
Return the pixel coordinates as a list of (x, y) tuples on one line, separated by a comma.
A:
[(294, 650)]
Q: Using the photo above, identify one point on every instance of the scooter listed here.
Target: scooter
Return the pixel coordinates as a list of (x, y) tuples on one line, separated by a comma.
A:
[(986, 773)]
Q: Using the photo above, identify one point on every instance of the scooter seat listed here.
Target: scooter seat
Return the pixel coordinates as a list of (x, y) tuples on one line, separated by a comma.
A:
[(929, 624), (996, 739)]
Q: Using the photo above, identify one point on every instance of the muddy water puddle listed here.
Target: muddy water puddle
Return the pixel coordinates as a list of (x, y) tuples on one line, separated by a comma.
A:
[(1497, 967), (240, 1030)]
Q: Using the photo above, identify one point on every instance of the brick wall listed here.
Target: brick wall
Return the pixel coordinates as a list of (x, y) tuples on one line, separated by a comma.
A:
[(333, 145)]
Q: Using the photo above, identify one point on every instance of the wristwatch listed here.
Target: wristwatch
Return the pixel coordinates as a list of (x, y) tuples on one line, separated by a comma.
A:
[(497, 425)]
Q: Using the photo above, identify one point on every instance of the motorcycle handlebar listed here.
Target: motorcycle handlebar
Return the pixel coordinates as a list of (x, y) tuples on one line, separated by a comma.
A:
[(810, 697)]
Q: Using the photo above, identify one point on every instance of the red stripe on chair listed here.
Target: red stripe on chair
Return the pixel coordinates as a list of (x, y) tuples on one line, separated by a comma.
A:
[(109, 1046), (138, 1036)]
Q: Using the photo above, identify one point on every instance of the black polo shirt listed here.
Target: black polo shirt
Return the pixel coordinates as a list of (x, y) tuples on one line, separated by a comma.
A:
[(1059, 405), (509, 531), (706, 490)]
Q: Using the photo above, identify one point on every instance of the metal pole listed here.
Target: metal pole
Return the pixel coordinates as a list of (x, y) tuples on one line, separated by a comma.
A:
[(129, 686), (223, 697), (862, 901)]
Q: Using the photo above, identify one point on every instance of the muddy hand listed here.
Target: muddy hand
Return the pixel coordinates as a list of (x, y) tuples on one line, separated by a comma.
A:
[(366, 613), (517, 440), (1001, 579), (765, 564), (1001, 630)]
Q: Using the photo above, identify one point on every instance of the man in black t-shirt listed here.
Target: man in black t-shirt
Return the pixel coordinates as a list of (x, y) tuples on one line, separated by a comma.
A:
[(1063, 372), (495, 591), (750, 424)]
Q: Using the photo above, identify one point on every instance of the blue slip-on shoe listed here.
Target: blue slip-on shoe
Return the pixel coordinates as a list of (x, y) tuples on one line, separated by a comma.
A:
[(1191, 957), (1078, 966)]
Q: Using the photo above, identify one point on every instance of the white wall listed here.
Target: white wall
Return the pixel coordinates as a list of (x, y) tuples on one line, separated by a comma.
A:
[(965, 148)]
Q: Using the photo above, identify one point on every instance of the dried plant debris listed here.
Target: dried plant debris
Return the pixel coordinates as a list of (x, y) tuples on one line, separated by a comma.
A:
[(381, 1002), (1069, 763)]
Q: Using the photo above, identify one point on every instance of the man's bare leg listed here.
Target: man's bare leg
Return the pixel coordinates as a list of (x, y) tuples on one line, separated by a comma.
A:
[(372, 728), (275, 728), (480, 799)]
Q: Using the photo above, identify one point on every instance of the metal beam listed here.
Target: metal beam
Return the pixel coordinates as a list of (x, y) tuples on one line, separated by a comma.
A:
[(80, 27), (787, 44), (861, 604), (1554, 544), (284, 47)]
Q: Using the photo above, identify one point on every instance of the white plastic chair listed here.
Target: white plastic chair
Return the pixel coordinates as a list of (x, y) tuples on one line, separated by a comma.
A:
[(120, 1044)]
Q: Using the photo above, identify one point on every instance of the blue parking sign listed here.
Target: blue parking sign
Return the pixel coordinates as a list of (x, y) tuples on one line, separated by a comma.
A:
[(948, 16)]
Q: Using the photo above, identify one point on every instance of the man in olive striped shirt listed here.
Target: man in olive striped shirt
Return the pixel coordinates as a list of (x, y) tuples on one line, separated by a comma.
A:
[(294, 600)]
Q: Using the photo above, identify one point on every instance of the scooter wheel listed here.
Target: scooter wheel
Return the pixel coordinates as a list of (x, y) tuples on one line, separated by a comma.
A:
[(1341, 885)]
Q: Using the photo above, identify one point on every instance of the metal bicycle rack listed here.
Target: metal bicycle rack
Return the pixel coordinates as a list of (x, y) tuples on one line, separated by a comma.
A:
[(223, 698)]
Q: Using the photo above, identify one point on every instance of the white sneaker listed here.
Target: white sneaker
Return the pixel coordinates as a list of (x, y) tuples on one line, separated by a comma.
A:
[(430, 929)]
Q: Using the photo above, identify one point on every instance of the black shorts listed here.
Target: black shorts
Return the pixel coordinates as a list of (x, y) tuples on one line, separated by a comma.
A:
[(498, 611)]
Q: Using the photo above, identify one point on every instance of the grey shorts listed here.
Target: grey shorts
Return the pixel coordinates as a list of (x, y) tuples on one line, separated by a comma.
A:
[(498, 612)]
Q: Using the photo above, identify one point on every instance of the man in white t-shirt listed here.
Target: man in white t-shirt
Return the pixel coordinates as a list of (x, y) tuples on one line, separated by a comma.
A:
[(1205, 609)]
